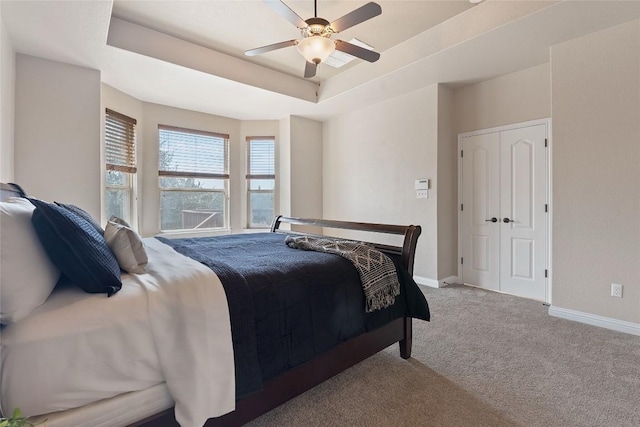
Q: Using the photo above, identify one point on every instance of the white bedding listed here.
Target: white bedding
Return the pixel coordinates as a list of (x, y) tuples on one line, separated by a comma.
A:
[(170, 325), (118, 411)]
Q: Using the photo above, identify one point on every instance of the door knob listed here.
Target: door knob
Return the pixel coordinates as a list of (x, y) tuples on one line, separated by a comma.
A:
[(507, 220), (494, 219)]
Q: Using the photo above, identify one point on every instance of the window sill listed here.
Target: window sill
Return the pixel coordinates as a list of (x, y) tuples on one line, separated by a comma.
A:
[(256, 230), (180, 234)]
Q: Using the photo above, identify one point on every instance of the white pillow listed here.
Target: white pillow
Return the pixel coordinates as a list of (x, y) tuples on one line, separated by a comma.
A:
[(27, 275), (127, 246)]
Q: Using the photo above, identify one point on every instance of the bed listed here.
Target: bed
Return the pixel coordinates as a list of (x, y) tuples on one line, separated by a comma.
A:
[(306, 354)]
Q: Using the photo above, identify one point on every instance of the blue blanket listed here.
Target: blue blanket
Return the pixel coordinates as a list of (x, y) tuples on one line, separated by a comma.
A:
[(288, 306)]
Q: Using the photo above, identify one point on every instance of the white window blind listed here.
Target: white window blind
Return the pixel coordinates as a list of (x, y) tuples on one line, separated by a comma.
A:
[(193, 153), (120, 142), (193, 169), (261, 181), (261, 158)]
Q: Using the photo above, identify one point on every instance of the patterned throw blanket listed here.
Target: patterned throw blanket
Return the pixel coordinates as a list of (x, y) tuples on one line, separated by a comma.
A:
[(377, 271)]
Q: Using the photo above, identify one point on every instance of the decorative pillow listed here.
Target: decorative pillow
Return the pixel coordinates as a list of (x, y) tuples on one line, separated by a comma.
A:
[(27, 276), (127, 245), (83, 214), (119, 221), (76, 248)]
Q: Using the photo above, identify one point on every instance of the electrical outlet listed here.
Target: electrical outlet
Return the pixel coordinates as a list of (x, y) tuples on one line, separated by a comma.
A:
[(616, 290)]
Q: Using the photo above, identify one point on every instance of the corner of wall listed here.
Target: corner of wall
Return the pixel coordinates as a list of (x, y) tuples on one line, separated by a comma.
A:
[(7, 101)]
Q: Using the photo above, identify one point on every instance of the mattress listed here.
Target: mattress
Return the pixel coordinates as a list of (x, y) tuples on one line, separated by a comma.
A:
[(117, 411), (80, 348)]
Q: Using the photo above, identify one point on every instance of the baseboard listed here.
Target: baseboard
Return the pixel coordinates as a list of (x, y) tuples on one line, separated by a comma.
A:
[(447, 281), (595, 320), (432, 283)]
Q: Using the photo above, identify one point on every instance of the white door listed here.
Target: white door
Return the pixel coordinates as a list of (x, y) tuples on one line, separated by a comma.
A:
[(503, 216), (523, 196), (481, 210)]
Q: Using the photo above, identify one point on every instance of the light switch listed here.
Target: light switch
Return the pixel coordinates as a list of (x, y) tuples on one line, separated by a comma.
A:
[(422, 194)]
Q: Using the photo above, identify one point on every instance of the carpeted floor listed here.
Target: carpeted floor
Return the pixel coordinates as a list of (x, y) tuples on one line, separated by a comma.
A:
[(485, 359)]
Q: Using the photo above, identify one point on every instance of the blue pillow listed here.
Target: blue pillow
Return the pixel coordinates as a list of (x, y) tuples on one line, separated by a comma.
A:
[(76, 248), (84, 215)]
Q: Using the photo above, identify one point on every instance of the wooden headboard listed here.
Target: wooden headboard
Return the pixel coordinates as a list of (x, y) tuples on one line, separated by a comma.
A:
[(406, 252)]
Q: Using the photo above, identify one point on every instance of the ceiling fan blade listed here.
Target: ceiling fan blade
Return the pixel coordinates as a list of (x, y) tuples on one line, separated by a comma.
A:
[(356, 17), (269, 48), (288, 14), (310, 70), (357, 51)]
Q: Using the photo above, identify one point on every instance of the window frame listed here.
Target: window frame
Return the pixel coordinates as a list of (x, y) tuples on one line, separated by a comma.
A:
[(120, 140), (249, 177), (186, 174)]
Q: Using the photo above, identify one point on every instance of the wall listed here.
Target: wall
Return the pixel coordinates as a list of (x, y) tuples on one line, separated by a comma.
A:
[(447, 180), (300, 168), (57, 132), (596, 177), (371, 159), (283, 156), (513, 98), (7, 105), (306, 168)]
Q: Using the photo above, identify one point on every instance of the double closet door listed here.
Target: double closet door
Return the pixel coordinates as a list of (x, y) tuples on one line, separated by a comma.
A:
[(504, 210)]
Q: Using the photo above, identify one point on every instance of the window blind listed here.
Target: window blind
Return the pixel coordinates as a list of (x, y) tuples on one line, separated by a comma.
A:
[(261, 157), (120, 142), (193, 153)]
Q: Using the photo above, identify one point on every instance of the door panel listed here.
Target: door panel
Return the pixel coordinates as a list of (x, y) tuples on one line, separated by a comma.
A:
[(481, 180), (522, 201)]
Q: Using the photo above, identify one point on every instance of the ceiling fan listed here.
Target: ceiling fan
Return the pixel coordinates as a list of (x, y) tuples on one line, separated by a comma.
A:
[(316, 44)]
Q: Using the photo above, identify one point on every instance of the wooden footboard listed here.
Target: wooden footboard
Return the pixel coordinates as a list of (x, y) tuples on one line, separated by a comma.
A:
[(306, 376)]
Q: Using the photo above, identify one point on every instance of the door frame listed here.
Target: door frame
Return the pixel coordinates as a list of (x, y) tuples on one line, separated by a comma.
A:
[(549, 187)]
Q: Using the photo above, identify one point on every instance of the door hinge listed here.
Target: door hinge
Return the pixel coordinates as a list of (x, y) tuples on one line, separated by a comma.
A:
[(461, 207), (546, 207), (546, 273), (461, 153), (461, 260), (546, 142)]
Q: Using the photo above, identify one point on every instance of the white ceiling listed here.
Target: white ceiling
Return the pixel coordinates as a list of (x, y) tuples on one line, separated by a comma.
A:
[(233, 27), (189, 54)]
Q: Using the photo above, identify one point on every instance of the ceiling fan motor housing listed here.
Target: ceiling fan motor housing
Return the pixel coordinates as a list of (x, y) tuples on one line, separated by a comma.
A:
[(317, 27)]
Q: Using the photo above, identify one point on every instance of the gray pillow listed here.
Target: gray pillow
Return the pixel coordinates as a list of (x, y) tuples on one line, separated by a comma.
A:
[(127, 246)]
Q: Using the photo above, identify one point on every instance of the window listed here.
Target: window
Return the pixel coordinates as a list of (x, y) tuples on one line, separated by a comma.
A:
[(193, 174), (261, 181), (120, 146)]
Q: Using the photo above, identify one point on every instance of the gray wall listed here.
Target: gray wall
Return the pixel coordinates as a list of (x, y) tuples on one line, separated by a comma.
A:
[(596, 172), (371, 159), (7, 105), (513, 98), (447, 186), (57, 132)]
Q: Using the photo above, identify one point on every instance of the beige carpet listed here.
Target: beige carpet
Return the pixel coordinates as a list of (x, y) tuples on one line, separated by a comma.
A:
[(485, 359)]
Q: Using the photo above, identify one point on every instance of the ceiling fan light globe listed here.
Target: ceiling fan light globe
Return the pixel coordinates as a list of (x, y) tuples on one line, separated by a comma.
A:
[(316, 49)]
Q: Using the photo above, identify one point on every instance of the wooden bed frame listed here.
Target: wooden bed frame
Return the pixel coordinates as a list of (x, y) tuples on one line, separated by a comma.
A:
[(306, 376)]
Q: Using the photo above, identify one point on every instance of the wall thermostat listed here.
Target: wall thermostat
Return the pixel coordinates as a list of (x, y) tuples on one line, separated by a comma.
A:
[(422, 184)]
